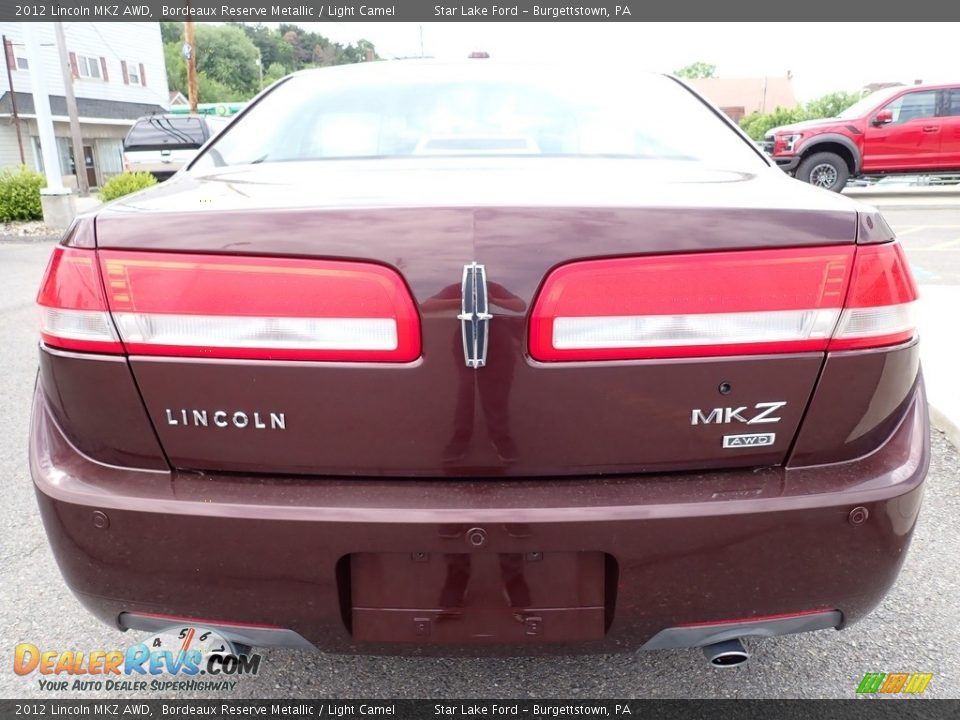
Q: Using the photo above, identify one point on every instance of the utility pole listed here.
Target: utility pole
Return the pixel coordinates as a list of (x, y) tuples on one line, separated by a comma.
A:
[(7, 45), (41, 106), (190, 55), (59, 205), (79, 161)]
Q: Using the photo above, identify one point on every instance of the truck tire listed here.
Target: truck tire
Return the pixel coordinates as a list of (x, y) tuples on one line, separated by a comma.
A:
[(824, 169)]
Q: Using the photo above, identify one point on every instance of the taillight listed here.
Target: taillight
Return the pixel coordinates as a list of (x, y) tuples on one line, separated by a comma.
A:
[(73, 311), (227, 307), (259, 308), (880, 307), (724, 303)]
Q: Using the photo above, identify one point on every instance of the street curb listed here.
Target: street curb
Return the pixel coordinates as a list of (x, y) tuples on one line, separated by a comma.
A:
[(945, 424), (916, 191), (902, 199), (28, 239)]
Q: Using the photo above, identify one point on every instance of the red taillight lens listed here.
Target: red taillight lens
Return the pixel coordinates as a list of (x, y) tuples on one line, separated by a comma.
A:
[(73, 312), (724, 303), (880, 307), (227, 307), (259, 308)]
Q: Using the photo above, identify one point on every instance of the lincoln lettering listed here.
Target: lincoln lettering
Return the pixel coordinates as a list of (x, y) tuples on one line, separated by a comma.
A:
[(227, 418)]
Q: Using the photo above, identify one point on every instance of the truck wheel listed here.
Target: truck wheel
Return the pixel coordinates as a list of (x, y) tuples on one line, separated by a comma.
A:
[(826, 170)]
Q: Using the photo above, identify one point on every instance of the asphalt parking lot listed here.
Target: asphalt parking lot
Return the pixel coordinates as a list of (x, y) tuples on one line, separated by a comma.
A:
[(931, 238), (916, 628)]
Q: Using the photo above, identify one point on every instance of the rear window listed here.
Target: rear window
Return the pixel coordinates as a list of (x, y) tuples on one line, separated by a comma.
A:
[(215, 124), (159, 133), (397, 109)]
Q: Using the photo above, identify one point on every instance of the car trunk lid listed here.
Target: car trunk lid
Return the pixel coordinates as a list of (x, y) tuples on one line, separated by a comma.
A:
[(434, 415)]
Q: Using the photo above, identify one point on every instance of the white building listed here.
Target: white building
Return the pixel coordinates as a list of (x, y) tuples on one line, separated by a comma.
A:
[(118, 75)]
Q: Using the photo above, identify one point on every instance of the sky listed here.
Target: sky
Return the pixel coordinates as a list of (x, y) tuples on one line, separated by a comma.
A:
[(822, 57)]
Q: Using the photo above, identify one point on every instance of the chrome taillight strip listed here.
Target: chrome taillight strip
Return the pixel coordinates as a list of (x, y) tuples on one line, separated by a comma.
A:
[(629, 331), (287, 333)]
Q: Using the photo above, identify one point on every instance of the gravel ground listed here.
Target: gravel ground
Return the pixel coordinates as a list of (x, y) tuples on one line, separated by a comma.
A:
[(32, 231), (916, 628)]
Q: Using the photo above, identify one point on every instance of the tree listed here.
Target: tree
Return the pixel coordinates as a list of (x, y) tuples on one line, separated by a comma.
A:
[(209, 90), (697, 71), (274, 73), (270, 43), (171, 32), (831, 105), (176, 66), (212, 91), (227, 56), (757, 124)]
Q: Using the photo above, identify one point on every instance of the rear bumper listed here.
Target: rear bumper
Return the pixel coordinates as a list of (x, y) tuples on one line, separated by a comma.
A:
[(678, 551)]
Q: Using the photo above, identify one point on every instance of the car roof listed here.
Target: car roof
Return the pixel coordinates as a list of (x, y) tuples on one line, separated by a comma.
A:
[(932, 86), (172, 116)]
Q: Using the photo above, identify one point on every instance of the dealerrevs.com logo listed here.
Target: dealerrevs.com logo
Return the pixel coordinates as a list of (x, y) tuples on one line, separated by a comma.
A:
[(176, 659)]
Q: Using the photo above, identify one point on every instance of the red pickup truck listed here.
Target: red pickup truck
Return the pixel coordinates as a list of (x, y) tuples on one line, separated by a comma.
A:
[(906, 129)]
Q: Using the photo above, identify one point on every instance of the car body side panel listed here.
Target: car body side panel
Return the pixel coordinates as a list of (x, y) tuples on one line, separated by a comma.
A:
[(859, 399), (96, 402)]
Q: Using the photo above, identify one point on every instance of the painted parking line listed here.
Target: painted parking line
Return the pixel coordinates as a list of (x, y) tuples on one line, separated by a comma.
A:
[(910, 229), (947, 245)]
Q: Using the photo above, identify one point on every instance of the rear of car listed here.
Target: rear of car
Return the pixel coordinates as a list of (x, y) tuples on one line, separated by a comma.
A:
[(466, 358), (162, 144)]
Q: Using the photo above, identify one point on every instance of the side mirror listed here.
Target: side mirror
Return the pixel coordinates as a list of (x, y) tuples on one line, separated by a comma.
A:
[(883, 117)]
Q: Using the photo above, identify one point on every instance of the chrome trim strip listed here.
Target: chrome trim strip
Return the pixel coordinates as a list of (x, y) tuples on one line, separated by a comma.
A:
[(708, 634)]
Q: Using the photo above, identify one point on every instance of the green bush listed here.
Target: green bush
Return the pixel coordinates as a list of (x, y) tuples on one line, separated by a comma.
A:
[(126, 183), (20, 194), (757, 124)]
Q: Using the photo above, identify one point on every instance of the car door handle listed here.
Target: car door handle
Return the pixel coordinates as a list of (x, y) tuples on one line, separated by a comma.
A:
[(931, 128)]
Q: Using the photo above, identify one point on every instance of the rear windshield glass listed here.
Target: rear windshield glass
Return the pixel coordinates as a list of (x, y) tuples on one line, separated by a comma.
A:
[(158, 133), (398, 109), (215, 124)]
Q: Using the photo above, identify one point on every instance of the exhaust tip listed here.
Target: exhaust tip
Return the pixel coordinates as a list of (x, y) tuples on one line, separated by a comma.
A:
[(729, 653)]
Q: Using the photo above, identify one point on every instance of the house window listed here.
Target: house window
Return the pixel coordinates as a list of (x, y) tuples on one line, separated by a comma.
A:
[(20, 59), (89, 67), (133, 74)]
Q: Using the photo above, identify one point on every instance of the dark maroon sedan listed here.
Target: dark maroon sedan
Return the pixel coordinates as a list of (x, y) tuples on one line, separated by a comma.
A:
[(459, 358)]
